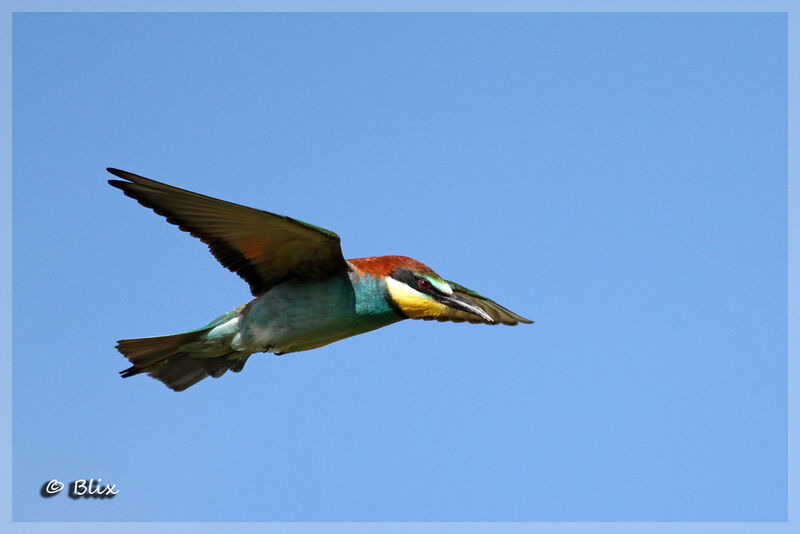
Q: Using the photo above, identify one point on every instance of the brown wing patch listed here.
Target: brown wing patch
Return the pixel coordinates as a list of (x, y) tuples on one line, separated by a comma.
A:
[(252, 248)]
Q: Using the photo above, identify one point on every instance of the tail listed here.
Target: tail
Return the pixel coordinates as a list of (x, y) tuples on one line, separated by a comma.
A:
[(180, 360)]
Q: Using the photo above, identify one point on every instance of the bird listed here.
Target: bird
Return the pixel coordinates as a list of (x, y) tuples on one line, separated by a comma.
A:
[(305, 293)]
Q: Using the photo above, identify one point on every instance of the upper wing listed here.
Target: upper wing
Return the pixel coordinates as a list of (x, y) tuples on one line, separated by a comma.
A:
[(497, 312), (261, 247)]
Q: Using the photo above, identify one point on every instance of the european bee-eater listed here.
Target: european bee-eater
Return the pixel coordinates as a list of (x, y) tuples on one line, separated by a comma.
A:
[(306, 294)]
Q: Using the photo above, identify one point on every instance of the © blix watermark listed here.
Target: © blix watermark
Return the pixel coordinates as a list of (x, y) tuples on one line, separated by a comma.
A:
[(80, 488)]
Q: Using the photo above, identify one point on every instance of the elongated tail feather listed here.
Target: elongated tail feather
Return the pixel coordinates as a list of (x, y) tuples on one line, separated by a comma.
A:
[(175, 361)]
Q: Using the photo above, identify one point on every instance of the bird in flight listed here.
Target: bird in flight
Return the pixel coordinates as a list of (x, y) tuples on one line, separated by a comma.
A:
[(306, 294)]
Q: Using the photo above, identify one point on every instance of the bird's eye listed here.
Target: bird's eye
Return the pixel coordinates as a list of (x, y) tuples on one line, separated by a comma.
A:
[(424, 284)]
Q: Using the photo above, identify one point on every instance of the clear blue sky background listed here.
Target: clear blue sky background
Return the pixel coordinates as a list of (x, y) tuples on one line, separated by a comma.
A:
[(619, 178)]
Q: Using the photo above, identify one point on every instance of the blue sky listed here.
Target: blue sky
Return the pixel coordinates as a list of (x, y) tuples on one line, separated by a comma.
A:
[(618, 178)]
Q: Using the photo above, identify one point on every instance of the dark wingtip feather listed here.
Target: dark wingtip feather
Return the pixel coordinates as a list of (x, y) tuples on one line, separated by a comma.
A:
[(130, 371), (121, 174), (118, 172), (118, 184), (131, 178)]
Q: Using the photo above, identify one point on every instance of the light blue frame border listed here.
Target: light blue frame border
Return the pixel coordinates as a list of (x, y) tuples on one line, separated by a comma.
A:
[(12, 6)]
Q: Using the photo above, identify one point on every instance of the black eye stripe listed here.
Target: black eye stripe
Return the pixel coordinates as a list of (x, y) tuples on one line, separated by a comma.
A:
[(419, 283)]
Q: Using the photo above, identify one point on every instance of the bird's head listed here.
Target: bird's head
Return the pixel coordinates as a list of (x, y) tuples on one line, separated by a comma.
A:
[(417, 291), (423, 294)]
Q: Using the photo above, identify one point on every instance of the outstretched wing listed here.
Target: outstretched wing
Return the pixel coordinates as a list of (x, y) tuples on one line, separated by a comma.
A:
[(495, 311), (261, 247)]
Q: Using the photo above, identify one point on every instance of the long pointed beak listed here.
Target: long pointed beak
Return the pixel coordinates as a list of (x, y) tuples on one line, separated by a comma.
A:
[(460, 303)]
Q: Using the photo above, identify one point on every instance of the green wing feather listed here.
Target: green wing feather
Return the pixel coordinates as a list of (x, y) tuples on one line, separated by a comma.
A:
[(261, 247), (496, 311)]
